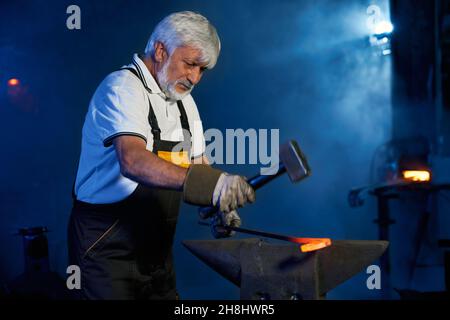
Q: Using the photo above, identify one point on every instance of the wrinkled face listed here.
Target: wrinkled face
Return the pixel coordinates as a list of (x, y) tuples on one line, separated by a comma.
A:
[(181, 72)]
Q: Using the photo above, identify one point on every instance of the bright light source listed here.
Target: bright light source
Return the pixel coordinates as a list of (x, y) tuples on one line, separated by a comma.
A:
[(13, 82), (383, 27), (380, 30), (417, 175)]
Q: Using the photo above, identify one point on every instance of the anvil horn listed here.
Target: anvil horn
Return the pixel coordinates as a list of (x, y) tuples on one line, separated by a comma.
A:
[(280, 270), (220, 255)]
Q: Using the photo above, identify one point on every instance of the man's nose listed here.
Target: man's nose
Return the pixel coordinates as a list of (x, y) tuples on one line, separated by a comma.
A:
[(195, 75)]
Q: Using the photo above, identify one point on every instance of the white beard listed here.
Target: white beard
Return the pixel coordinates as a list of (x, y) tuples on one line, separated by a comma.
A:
[(169, 88)]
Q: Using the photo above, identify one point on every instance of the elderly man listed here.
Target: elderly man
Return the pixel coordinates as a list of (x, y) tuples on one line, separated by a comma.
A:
[(140, 156)]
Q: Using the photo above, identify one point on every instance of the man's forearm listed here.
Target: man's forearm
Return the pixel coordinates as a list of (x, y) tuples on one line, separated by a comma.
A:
[(143, 166), (198, 183), (153, 171)]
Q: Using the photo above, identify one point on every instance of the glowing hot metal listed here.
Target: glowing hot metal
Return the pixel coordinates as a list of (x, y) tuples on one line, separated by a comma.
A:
[(312, 244), (307, 244)]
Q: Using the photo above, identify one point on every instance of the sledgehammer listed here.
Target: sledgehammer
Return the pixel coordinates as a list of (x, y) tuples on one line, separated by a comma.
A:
[(292, 161)]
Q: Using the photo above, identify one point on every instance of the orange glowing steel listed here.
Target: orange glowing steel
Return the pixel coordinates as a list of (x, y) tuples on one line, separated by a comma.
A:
[(309, 247), (417, 175), (312, 244), (307, 244), (13, 82)]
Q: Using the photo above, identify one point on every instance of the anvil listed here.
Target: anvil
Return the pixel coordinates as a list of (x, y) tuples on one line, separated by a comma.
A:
[(280, 271)]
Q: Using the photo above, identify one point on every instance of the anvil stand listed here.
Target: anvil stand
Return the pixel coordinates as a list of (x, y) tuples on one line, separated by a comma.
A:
[(389, 191), (280, 271), (37, 281)]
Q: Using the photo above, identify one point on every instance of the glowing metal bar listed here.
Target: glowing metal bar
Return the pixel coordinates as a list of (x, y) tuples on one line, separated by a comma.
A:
[(308, 244)]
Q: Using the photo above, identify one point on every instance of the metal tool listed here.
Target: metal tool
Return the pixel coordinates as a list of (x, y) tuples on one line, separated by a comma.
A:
[(292, 161), (307, 244)]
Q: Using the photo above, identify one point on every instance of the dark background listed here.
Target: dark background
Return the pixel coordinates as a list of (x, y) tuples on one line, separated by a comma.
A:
[(304, 67)]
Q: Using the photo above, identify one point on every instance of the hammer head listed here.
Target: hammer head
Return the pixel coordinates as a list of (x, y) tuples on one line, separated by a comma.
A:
[(294, 161)]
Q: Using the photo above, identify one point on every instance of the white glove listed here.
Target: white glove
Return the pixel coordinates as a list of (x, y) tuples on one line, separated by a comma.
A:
[(232, 192), (221, 219)]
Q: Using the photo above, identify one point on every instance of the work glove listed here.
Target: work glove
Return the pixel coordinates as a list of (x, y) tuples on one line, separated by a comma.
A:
[(232, 192), (206, 186), (221, 219), (199, 185)]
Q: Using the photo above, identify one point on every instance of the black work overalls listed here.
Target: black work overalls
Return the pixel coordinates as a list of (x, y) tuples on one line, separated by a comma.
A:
[(124, 249)]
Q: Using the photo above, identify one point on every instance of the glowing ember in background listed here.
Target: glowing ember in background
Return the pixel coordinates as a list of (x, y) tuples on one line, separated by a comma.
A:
[(13, 82), (416, 175)]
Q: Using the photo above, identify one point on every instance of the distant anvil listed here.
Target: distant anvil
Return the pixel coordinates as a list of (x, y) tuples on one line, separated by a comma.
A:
[(280, 271)]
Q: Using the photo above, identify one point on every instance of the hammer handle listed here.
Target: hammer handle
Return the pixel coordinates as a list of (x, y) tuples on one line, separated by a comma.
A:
[(256, 182)]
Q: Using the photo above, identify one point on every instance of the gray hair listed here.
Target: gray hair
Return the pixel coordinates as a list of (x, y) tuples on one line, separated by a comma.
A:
[(186, 28)]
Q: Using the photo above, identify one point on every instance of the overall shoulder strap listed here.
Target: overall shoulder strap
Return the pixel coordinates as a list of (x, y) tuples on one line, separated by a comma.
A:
[(156, 131), (184, 121)]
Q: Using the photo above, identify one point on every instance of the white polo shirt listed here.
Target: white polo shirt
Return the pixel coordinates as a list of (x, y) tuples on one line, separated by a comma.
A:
[(120, 106)]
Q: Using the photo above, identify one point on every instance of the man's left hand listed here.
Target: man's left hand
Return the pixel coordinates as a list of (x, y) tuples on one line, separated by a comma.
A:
[(221, 219)]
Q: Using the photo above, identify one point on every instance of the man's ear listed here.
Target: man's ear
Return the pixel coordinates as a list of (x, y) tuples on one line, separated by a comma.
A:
[(160, 52)]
